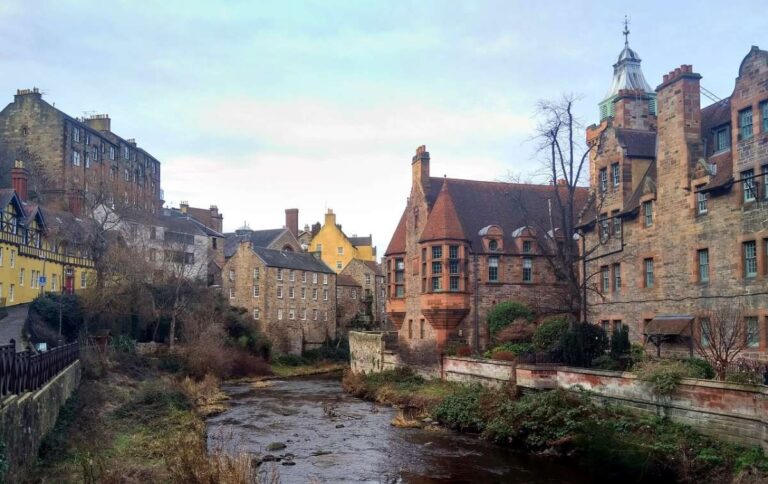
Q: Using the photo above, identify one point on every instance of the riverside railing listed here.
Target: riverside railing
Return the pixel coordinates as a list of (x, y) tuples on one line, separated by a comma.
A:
[(26, 371)]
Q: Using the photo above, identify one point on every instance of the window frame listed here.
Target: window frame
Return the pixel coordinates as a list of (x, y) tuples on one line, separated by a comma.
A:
[(649, 277), (493, 268), (648, 213), (725, 131), (746, 130), (702, 200), (603, 180), (749, 258), (615, 176), (702, 264), (748, 186), (752, 335), (528, 269)]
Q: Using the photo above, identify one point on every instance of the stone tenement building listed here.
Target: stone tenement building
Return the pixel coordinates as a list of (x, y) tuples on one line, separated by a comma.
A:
[(76, 163), (367, 278), (291, 296), (680, 203), (462, 246)]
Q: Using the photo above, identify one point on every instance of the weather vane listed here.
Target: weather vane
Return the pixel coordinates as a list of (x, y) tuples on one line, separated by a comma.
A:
[(626, 31)]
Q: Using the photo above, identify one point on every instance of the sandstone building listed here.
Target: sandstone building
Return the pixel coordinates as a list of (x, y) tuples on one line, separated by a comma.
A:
[(76, 163), (679, 204), (290, 295), (370, 296), (462, 246)]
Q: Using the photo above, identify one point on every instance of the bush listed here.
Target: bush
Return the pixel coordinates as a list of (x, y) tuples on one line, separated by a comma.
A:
[(464, 351), (549, 333), (44, 317), (620, 342), (607, 362), (290, 360), (520, 331), (541, 419), (583, 343), (504, 356), (505, 313), (514, 348), (743, 378), (462, 410), (703, 368), (664, 375)]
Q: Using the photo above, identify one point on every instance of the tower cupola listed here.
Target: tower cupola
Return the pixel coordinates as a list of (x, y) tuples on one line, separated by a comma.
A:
[(628, 79)]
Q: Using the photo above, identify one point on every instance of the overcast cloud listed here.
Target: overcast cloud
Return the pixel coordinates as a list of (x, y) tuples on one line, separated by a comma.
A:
[(261, 106)]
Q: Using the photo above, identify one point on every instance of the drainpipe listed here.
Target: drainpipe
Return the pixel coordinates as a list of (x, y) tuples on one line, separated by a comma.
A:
[(477, 303)]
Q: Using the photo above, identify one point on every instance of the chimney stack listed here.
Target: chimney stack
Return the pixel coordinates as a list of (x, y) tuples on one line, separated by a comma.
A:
[(99, 122), (184, 207), (19, 180), (292, 220), (330, 218), (420, 169)]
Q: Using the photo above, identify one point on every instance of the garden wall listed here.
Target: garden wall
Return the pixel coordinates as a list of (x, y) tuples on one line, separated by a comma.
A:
[(26, 418), (730, 411)]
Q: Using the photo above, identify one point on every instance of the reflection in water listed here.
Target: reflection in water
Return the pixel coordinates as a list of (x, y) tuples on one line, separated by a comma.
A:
[(333, 437)]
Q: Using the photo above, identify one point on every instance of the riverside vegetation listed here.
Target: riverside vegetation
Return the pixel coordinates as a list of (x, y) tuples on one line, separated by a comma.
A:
[(603, 439)]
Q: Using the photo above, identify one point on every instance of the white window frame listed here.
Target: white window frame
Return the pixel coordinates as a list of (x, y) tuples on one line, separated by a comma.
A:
[(279, 292), (256, 314)]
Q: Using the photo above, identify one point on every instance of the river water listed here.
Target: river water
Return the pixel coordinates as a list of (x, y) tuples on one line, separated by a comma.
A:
[(333, 437)]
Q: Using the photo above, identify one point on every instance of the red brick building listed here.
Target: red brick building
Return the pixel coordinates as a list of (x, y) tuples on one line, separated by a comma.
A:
[(680, 225), (462, 246)]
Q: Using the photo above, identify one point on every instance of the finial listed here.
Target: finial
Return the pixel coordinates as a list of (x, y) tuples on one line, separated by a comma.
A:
[(626, 31)]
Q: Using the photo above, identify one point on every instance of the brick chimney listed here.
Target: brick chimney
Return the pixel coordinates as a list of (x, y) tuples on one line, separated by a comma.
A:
[(99, 122), (632, 110), (19, 180), (679, 126), (420, 169), (292, 220)]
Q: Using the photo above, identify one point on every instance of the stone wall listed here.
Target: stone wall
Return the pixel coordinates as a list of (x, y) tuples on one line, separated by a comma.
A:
[(474, 370), (738, 413), (25, 419), (367, 352)]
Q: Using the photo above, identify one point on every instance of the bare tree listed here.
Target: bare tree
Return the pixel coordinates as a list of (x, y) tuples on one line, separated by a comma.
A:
[(565, 160), (723, 334)]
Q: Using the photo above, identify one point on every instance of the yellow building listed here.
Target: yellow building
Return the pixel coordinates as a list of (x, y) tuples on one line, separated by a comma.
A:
[(336, 249), (38, 256)]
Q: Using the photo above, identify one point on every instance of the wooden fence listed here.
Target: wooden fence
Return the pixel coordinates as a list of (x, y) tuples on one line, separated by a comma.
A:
[(26, 371)]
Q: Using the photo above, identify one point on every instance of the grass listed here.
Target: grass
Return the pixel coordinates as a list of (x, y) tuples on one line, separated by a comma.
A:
[(399, 387), (287, 371), (136, 423)]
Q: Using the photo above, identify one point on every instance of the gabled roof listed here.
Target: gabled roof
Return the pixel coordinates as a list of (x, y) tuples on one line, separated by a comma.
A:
[(633, 203), (397, 243), (258, 238), (443, 221), (8, 195), (32, 212), (375, 267), (637, 143), (291, 260), (345, 280)]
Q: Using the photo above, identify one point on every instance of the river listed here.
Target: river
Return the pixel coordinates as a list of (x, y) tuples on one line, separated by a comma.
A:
[(333, 437)]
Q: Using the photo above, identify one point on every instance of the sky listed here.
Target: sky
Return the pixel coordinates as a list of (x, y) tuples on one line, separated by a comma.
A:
[(259, 106)]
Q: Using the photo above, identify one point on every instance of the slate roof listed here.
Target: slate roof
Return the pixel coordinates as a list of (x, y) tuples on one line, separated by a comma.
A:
[(291, 260), (345, 280), (258, 238), (637, 143), (477, 204), (360, 241), (376, 268)]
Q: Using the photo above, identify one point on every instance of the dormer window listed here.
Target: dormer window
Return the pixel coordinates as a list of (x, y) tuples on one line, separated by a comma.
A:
[(493, 245), (527, 247)]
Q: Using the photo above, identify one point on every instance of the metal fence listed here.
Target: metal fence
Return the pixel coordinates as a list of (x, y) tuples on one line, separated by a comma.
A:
[(26, 371)]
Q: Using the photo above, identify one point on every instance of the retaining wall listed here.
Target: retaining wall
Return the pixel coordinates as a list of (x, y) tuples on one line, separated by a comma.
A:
[(26, 418), (738, 413)]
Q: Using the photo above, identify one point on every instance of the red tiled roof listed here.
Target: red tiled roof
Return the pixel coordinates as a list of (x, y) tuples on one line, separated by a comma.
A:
[(443, 222), (397, 244)]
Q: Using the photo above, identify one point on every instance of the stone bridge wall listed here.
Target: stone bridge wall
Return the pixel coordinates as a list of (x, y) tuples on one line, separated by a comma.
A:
[(26, 418)]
